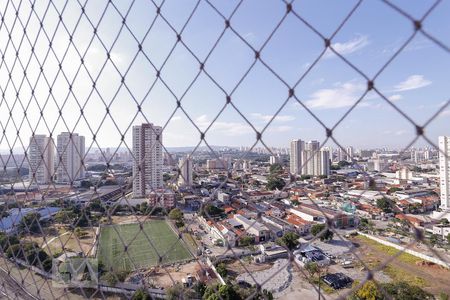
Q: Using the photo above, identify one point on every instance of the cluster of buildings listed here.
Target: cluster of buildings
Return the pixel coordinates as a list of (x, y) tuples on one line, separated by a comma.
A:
[(64, 165), (308, 158)]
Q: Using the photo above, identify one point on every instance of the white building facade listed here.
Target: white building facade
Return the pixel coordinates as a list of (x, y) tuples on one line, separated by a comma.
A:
[(295, 156), (185, 166), (41, 159), (70, 151), (444, 171), (148, 159)]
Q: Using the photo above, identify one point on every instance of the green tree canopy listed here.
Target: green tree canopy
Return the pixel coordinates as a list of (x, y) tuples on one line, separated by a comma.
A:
[(275, 183), (289, 240), (221, 268), (385, 204), (30, 223), (176, 214), (325, 236), (275, 169)]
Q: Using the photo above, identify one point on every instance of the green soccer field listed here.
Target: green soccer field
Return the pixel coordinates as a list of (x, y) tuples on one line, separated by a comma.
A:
[(156, 234)]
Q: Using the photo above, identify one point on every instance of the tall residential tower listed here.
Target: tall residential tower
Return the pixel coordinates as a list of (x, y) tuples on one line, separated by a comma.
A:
[(70, 151), (444, 171), (295, 159), (185, 166), (41, 158), (148, 159)]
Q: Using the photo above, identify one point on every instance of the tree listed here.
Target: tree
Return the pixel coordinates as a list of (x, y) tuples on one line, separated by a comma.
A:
[(227, 292), (246, 241), (7, 241), (443, 296), (369, 291), (448, 238), (312, 268), (221, 268), (397, 290), (275, 169), (176, 214), (393, 190), (275, 183), (199, 288), (327, 235), (405, 290), (144, 208), (434, 239), (444, 221), (80, 233), (83, 218), (210, 210), (385, 204), (3, 211), (175, 292), (141, 294), (113, 277), (96, 205), (30, 223), (289, 240)]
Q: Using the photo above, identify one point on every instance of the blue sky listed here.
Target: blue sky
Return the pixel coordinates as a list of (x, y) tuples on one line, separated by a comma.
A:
[(416, 81)]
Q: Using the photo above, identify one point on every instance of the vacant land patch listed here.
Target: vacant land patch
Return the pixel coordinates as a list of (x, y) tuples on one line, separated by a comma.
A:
[(405, 267)]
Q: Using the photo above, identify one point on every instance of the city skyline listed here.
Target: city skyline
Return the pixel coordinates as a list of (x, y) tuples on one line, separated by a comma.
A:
[(328, 90)]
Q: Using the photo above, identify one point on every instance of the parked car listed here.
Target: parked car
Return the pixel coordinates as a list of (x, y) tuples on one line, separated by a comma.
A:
[(347, 264)]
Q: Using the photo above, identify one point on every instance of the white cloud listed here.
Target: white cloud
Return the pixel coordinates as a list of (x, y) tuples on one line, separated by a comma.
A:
[(445, 113), (400, 132), (344, 95), (224, 128), (395, 97), (175, 118), (396, 132), (411, 83), (282, 128), (348, 47), (267, 118)]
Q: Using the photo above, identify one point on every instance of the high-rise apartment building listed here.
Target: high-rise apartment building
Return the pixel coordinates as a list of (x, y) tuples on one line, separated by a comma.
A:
[(70, 149), (41, 159), (306, 158), (350, 153), (340, 156), (444, 171), (148, 159), (185, 166), (295, 158)]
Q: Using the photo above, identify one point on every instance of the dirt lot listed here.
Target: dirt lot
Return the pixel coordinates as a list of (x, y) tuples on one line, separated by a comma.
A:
[(235, 268), (57, 239), (159, 277), (431, 278)]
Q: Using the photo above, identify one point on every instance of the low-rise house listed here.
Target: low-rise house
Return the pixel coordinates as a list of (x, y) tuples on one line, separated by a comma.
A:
[(164, 198), (442, 230), (368, 210), (279, 225), (310, 212), (254, 228), (259, 195), (416, 222), (308, 253), (271, 251), (302, 226)]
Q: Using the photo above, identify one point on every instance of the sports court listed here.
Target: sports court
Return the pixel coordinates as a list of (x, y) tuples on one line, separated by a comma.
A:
[(143, 246)]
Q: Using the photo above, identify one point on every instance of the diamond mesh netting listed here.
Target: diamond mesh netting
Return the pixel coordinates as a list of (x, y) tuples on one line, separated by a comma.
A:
[(79, 75)]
